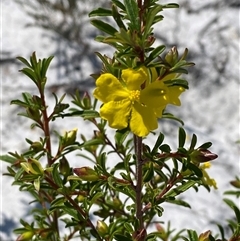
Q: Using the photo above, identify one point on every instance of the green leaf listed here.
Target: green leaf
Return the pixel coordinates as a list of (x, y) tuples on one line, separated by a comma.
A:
[(195, 169), (165, 148), (149, 173), (118, 17), (30, 73), (23, 60), (37, 183), (221, 229), (156, 52), (121, 237), (181, 137), (151, 19), (19, 174), (100, 12), (235, 193), (58, 201), (121, 135), (93, 142), (233, 206), (86, 114), (95, 198), (128, 227), (177, 82), (170, 5), (192, 235), (45, 66), (123, 188), (8, 159), (179, 202), (158, 143), (105, 27), (56, 175), (119, 5), (172, 117), (193, 142), (205, 145), (132, 14), (180, 189)]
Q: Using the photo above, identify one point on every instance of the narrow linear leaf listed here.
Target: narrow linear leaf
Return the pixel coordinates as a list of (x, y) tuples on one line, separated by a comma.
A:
[(132, 14), (45, 66), (181, 137), (105, 27), (156, 52), (176, 191), (118, 17), (171, 5), (193, 142), (119, 5), (150, 19), (23, 60), (100, 12), (56, 176), (8, 159), (30, 73)]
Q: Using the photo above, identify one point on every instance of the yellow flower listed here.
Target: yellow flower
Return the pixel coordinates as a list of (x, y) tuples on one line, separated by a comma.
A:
[(206, 178), (127, 103)]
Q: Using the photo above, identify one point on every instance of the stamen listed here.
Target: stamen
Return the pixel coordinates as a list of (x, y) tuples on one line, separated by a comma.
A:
[(134, 95)]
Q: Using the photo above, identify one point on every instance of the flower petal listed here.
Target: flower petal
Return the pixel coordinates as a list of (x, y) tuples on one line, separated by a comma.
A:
[(143, 120), (134, 78), (109, 89), (174, 92), (155, 95), (116, 113)]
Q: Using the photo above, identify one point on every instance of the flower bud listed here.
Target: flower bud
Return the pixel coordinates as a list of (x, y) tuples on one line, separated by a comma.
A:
[(86, 174), (202, 155), (26, 236), (150, 40), (35, 166), (117, 203), (102, 228), (80, 198), (69, 137), (236, 183), (64, 167), (37, 146), (172, 56), (161, 231), (204, 236), (86, 101)]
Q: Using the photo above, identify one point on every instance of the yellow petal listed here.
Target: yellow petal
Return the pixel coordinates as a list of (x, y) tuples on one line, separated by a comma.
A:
[(134, 78), (117, 113), (155, 95), (174, 92), (158, 111), (109, 89), (143, 120)]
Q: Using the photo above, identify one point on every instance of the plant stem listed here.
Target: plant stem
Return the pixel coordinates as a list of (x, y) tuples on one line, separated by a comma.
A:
[(77, 207), (48, 148), (46, 128), (139, 163)]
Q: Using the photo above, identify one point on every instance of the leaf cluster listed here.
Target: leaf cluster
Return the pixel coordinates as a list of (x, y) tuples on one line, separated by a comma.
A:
[(103, 192)]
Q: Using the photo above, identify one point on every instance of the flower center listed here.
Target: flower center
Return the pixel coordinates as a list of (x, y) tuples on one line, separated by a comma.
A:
[(134, 95)]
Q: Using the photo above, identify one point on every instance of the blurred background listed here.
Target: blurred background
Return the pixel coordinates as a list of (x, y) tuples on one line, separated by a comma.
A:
[(210, 29)]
